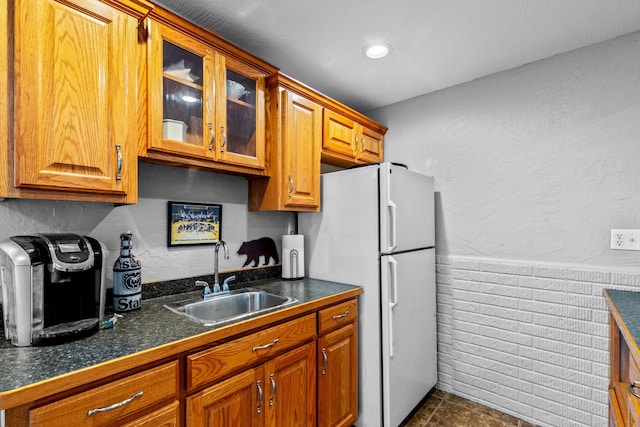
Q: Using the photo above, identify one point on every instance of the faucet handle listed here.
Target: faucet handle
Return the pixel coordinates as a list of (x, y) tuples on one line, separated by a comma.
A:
[(205, 285), (225, 284)]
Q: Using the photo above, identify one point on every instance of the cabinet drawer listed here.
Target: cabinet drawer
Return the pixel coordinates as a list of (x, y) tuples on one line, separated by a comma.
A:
[(117, 399), (167, 416), (209, 365), (336, 316)]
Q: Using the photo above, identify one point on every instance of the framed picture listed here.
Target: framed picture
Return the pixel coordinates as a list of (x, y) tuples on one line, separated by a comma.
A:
[(193, 223)]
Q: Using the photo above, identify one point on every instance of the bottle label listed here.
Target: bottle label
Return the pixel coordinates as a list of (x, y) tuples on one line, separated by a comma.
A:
[(127, 290), (127, 303)]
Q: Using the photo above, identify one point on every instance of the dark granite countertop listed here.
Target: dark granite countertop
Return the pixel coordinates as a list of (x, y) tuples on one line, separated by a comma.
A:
[(151, 326)]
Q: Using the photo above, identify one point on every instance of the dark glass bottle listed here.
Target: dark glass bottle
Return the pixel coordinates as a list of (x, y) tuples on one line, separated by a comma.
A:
[(127, 278)]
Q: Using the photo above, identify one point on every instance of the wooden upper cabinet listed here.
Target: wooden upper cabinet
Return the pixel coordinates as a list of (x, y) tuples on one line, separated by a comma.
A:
[(206, 106), (301, 160), (371, 145), (241, 117), (346, 142), (181, 93), (293, 155), (339, 135), (75, 83)]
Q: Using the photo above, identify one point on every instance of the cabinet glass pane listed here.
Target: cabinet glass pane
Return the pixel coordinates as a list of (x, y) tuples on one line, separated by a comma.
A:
[(182, 94), (241, 114)]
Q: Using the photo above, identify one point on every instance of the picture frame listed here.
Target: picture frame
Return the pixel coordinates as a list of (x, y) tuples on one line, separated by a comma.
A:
[(192, 223)]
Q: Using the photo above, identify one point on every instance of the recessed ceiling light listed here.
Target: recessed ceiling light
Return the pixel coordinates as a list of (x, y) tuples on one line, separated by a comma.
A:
[(377, 50)]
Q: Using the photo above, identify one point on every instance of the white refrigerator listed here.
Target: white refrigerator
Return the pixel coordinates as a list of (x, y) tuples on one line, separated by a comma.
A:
[(376, 230)]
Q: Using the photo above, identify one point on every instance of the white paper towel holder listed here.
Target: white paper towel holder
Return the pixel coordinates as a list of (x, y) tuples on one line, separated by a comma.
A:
[(293, 259)]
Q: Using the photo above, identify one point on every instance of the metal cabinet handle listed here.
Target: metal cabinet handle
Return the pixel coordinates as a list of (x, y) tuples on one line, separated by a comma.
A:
[(273, 389), (291, 186), (212, 136), (263, 347), (224, 139), (119, 169), (325, 359), (355, 146), (632, 388), (115, 405), (340, 316), (362, 145), (259, 409)]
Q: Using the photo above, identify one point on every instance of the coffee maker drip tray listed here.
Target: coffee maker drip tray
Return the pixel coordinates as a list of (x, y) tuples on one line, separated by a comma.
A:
[(66, 331)]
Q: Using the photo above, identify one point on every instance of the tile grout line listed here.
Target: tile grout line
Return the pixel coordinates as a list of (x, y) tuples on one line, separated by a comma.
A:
[(435, 410)]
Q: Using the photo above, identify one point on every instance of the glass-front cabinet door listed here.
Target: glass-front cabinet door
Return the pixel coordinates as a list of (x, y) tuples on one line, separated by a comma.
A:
[(242, 115), (181, 91)]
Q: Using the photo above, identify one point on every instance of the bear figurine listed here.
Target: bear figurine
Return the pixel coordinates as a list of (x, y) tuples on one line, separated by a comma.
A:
[(254, 249)]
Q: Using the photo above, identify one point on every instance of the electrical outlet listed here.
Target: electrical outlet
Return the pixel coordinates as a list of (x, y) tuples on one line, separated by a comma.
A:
[(625, 239)]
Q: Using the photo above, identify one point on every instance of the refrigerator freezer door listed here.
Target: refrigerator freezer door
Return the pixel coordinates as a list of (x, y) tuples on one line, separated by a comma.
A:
[(409, 352), (406, 210)]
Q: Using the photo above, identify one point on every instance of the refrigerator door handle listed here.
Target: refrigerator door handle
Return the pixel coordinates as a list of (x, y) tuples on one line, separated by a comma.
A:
[(393, 299), (393, 225)]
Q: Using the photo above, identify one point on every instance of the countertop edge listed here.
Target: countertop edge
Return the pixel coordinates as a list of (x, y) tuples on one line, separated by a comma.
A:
[(157, 355)]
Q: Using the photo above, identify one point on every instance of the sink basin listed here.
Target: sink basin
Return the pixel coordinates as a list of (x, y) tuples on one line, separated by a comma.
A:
[(229, 306)]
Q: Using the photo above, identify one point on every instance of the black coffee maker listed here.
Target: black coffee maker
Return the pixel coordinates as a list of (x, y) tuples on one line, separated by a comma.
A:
[(53, 287)]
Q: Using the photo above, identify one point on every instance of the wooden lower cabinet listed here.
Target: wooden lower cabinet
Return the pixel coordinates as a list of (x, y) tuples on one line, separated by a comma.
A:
[(280, 392), (338, 365), (624, 407), (337, 378), (300, 372), (291, 396), (234, 402), (115, 402)]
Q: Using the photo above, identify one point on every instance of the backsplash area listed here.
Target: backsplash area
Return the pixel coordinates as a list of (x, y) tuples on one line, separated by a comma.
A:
[(529, 339), (147, 220)]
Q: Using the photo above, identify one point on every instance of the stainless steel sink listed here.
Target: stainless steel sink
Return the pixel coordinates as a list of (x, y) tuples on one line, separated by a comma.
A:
[(229, 306)]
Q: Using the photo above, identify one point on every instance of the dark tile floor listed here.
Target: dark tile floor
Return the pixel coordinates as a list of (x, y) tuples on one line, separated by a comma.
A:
[(441, 409)]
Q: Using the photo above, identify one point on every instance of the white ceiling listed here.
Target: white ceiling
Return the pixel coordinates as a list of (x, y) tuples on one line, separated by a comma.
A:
[(436, 43)]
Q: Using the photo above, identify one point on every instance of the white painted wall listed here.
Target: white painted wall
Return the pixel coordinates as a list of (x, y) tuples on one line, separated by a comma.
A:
[(535, 163), (532, 167), (147, 220)]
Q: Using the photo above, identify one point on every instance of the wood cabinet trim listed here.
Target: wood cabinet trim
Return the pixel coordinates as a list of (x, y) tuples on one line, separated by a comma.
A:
[(218, 43), (615, 415), (136, 8), (301, 89), (6, 102)]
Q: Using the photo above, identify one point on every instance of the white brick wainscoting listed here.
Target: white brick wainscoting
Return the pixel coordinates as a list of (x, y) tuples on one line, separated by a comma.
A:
[(528, 339)]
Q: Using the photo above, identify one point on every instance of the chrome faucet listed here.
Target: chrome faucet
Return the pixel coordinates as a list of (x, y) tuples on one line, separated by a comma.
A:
[(216, 278)]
